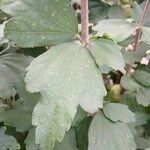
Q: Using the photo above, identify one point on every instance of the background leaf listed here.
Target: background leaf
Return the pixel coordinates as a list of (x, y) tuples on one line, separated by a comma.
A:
[(117, 29), (118, 112), (107, 135), (39, 23), (7, 141), (107, 53)]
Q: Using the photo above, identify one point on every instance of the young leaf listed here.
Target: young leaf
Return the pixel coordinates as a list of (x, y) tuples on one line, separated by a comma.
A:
[(107, 53), (7, 141), (118, 112), (39, 23), (117, 29), (65, 76), (106, 135)]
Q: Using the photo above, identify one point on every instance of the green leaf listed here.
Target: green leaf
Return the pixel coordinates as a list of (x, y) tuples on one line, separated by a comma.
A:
[(142, 77), (12, 73), (142, 92), (130, 57), (143, 97), (107, 53), (129, 98), (116, 12), (106, 135), (98, 10), (39, 23), (65, 76), (17, 117), (118, 112), (137, 13), (82, 133), (80, 115), (30, 140), (117, 29), (69, 142), (7, 141), (129, 83), (146, 35)]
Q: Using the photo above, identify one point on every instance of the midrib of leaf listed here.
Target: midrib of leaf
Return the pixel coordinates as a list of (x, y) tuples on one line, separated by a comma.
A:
[(69, 70), (39, 13)]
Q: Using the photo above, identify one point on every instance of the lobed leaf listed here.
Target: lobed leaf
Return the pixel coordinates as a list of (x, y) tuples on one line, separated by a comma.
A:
[(65, 76)]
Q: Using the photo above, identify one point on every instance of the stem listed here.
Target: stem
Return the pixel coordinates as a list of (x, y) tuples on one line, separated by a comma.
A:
[(139, 31), (85, 22), (140, 25)]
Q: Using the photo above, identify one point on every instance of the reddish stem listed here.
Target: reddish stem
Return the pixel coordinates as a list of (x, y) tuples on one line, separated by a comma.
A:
[(85, 22), (138, 32), (141, 23)]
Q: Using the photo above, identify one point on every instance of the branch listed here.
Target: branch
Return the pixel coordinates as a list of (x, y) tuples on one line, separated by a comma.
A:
[(140, 25), (85, 22), (138, 32)]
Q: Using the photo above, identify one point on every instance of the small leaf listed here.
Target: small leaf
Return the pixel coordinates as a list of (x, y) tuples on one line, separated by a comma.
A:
[(7, 141), (118, 112), (143, 97), (107, 53), (142, 77), (39, 23), (106, 135), (117, 29), (69, 142), (65, 76), (17, 117)]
